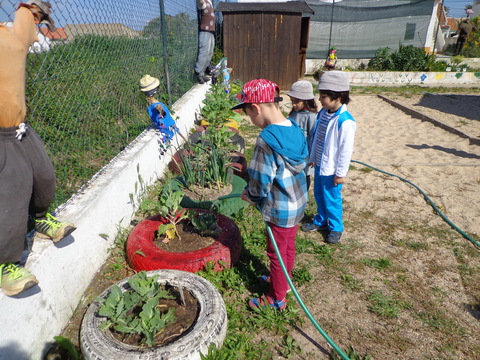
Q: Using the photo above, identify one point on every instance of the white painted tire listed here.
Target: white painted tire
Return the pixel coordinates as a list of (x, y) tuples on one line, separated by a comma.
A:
[(210, 326)]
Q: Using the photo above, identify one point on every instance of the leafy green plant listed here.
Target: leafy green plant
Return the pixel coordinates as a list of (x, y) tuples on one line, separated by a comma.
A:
[(406, 58), (136, 311), (68, 346), (206, 223), (167, 205), (381, 60), (289, 347), (217, 106)]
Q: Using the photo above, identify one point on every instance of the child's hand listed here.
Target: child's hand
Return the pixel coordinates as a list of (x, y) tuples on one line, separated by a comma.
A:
[(245, 197), (338, 180), (309, 165)]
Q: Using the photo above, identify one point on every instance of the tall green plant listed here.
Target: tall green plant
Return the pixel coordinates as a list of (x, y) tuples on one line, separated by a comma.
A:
[(167, 205), (217, 106)]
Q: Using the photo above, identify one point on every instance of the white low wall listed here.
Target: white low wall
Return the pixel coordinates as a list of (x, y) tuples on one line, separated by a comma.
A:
[(29, 321), (452, 78), (414, 78)]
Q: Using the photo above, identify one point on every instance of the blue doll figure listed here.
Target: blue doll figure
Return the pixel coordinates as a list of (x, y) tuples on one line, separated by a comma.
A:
[(157, 111)]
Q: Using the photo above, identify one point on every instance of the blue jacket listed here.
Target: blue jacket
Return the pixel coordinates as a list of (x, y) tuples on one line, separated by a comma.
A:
[(277, 181), (165, 124)]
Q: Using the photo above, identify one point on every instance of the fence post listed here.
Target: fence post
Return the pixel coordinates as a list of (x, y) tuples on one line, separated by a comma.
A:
[(165, 51), (331, 25)]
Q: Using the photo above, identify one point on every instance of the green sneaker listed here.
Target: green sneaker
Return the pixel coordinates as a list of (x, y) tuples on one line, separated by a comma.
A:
[(53, 229), (16, 279)]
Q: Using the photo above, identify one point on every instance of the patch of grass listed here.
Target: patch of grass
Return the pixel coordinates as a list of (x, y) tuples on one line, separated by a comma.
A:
[(351, 283), (381, 264), (384, 305), (438, 320), (418, 246)]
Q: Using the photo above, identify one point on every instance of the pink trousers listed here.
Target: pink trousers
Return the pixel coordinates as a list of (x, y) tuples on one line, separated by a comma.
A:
[(285, 239)]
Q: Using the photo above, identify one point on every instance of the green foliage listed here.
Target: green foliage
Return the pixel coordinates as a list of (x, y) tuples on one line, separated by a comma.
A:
[(382, 60), (406, 58), (289, 347), (217, 55), (381, 264), (385, 305), (167, 205), (136, 311), (217, 106), (206, 223), (205, 164), (67, 345)]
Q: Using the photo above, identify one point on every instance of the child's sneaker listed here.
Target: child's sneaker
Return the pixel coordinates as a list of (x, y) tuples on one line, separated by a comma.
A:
[(16, 279), (51, 228), (263, 301), (311, 227), (334, 237)]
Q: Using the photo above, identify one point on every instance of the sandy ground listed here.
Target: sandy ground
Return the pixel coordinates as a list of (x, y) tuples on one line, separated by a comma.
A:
[(444, 165)]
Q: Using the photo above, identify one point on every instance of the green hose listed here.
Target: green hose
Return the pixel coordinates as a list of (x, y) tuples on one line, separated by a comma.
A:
[(466, 236)]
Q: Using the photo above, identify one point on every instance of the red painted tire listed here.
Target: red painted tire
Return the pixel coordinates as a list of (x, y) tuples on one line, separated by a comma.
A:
[(144, 255), (239, 162)]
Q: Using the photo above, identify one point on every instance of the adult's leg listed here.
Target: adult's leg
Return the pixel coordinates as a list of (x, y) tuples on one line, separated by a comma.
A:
[(459, 47), (285, 240), (16, 179), (44, 183), (206, 45)]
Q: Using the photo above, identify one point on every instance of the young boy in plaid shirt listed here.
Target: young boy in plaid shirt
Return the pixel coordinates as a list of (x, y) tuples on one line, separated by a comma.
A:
[(277, 181)]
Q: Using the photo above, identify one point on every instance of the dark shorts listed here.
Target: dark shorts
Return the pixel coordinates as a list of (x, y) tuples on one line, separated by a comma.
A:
[(27, 187)]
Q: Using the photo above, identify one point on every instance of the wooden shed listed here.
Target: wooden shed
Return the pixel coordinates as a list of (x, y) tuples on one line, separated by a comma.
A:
[(266, 40)]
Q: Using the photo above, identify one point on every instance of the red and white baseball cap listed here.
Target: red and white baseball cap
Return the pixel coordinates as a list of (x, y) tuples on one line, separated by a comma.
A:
[(259, 91)]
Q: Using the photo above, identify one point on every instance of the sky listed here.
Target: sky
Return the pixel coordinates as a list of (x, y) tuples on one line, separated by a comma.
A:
[(457, 7)]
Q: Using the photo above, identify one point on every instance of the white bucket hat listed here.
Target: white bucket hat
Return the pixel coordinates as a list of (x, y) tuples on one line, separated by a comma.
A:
[(302, 90), (337, 81)]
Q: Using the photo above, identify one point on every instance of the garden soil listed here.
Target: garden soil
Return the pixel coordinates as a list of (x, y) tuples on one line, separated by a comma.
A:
[(387, 218)]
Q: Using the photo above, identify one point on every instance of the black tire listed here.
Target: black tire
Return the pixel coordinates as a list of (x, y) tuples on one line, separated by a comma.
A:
[(210, 326)]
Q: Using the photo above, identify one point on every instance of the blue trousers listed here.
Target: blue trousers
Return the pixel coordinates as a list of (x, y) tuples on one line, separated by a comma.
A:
[(329, 202)]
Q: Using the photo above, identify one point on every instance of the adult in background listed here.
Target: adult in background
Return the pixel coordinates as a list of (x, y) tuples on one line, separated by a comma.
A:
[(463, 31), (206, 38), (27, 178)]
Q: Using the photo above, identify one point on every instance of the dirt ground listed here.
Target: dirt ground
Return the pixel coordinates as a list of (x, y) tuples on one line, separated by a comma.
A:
[(434, 269)]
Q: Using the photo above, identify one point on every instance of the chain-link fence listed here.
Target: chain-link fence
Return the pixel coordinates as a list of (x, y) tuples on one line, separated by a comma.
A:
[(83, 81), (82, 84)]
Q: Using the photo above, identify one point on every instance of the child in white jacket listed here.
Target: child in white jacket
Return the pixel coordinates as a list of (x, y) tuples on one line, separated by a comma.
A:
[(331, 152)]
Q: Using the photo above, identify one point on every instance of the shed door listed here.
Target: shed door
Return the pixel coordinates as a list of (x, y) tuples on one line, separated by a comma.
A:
[(263, 46)]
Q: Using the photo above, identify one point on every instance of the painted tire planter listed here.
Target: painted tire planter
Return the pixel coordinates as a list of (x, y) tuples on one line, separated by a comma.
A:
[(226, 249), (225, 205), (209, 327)]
